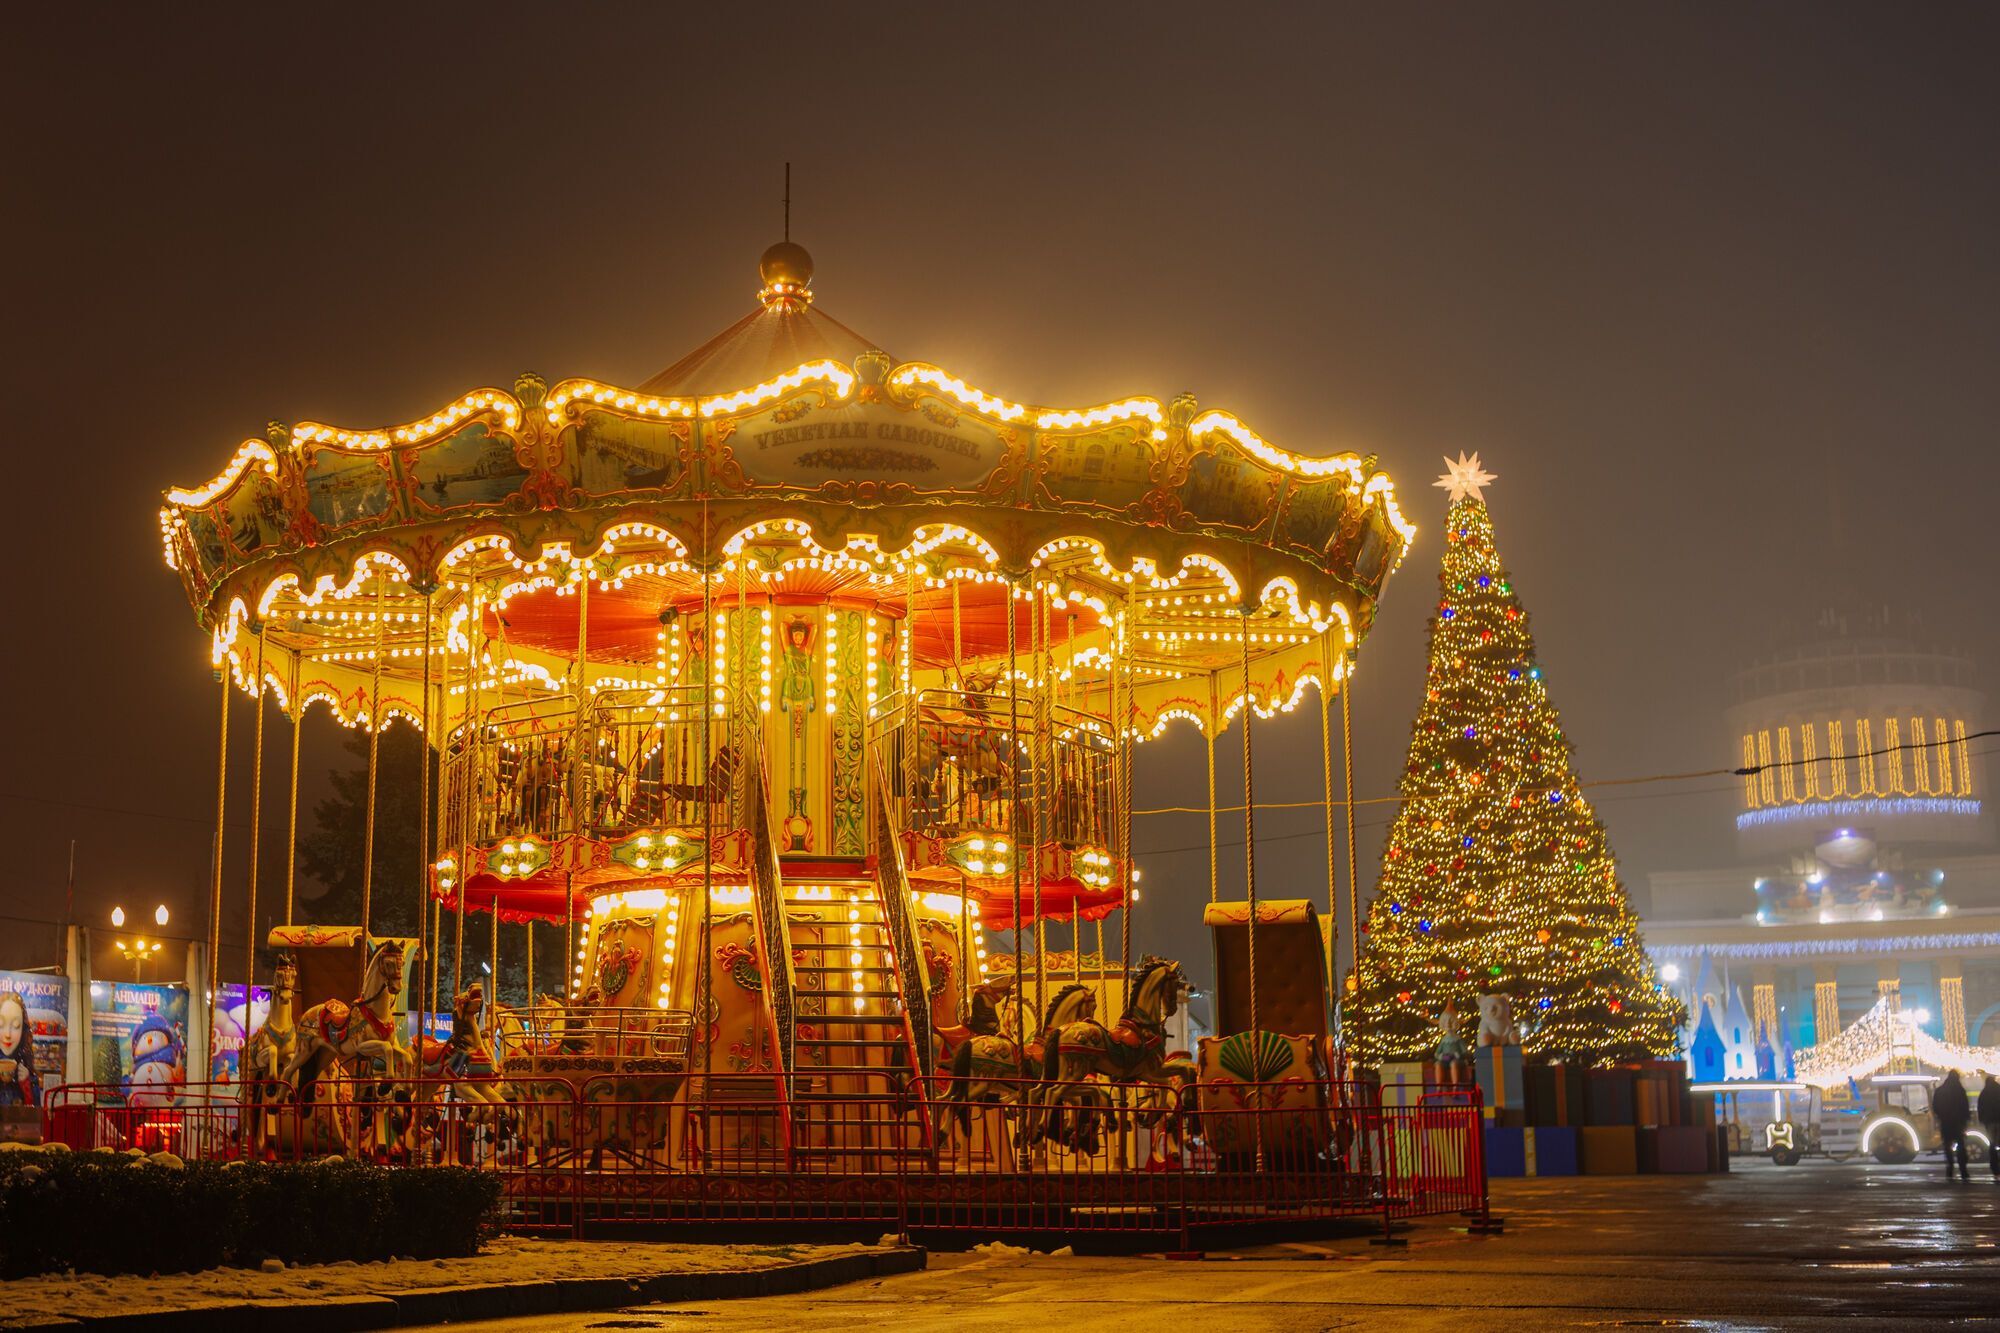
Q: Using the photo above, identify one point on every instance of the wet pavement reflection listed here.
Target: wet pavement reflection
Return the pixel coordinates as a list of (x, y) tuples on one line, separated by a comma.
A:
[(1762, 1247)]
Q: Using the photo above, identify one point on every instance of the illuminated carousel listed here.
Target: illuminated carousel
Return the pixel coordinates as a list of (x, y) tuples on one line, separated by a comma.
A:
[(781, 685)]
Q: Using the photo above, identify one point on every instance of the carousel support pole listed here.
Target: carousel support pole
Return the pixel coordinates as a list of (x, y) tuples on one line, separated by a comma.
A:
[(957, 638), (1014, 802), (437, 963), (912, 721), (1353, 866), (1038, 658), (256, 843), (1121, 677), (292, 842), (1208, 745), (1249, 821), (705, 978), (528, 952), (1327, 683), (582, 743), (493, 991), (374, 756), (424, 844), (215, 886), (742, 718), (569, 927), (968, 957), (468, 790), (1250, 854), (1103, 1004), (957, 813), (437, 707)]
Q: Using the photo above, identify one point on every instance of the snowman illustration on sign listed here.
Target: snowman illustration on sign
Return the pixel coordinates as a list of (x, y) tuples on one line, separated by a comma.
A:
[(157, 1069)]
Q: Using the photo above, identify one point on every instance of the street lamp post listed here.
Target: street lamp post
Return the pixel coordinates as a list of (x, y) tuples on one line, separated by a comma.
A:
[(138, 951)]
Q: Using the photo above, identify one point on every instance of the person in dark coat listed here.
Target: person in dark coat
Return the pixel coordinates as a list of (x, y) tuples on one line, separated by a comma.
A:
[(1989, 1120), (1952, 1110)]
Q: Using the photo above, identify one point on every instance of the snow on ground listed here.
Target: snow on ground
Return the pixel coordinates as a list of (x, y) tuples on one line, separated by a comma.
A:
[(504, 1260)]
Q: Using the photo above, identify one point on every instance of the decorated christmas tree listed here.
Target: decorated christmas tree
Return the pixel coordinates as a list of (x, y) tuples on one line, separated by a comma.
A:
[(1497, 876)]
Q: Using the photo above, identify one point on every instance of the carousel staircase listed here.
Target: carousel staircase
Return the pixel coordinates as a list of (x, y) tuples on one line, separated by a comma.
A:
[(838, 958), (852, 1108)]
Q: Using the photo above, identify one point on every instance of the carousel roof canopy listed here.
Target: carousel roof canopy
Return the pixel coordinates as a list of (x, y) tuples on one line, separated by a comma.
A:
[(786, 330)]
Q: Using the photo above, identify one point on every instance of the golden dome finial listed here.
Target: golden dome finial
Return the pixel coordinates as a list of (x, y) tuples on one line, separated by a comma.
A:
[(787, 272)]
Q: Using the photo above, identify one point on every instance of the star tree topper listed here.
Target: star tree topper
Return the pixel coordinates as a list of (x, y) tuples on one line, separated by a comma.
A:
[(1465, 478)]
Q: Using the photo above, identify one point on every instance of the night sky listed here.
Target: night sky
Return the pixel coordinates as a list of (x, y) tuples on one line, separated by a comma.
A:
[(1713, 292)]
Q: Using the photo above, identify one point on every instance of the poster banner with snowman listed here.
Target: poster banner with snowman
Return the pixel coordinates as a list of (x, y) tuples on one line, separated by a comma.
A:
[(138, 1042), (232, 1029), (34, 1036)]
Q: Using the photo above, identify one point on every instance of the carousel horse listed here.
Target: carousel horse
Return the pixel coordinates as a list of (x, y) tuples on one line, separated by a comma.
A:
[(1131, 1051), (464, 1063), (529, 1031), (355, 1037), (577, 1038), (991, 1067), (984, 1020), (715, 786), (267, 1052)]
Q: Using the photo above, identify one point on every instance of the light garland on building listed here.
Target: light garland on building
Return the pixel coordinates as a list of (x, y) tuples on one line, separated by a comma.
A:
[(1872, 808), (1896, 944), (1883, 1035)]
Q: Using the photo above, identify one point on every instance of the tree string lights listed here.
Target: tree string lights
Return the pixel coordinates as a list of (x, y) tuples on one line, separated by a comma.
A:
[(1497, 875)]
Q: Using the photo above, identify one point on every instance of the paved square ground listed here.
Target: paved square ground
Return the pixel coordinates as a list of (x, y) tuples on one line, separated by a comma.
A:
[(1763, 1247)]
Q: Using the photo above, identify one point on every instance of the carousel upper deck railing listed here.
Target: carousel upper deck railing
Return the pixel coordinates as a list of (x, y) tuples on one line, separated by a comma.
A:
[(596, 1039), (951, 768), (621, 761), (507, 774), (656, 759)]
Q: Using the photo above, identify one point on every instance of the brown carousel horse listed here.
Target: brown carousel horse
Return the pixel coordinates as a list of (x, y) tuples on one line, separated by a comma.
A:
[(716, 784), (464, 1063), (1131, 1051), (991, 1067)]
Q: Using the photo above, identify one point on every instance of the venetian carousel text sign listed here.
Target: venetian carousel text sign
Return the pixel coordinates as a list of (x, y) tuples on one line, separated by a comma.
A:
[(868, 442)]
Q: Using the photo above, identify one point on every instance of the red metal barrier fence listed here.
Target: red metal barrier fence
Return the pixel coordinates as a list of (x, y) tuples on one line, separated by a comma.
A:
[(1089, 1157)]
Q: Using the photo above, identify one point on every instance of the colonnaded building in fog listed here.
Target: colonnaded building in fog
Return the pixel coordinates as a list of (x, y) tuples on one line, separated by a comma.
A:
[(1867, 863)]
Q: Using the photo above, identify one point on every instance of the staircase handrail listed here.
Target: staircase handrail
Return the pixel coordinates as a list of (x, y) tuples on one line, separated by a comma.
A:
[(767, 896), (893, 885)]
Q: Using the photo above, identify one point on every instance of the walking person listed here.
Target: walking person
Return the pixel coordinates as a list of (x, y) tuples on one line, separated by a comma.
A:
[(1989, 1120), (1952, 1110)]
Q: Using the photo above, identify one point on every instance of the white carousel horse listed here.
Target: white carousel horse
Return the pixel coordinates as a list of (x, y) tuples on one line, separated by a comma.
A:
[(266, 1054), (355, 1038)]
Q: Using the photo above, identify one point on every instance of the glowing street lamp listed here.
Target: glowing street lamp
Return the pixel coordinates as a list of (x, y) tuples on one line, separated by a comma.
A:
[(140, 950)]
